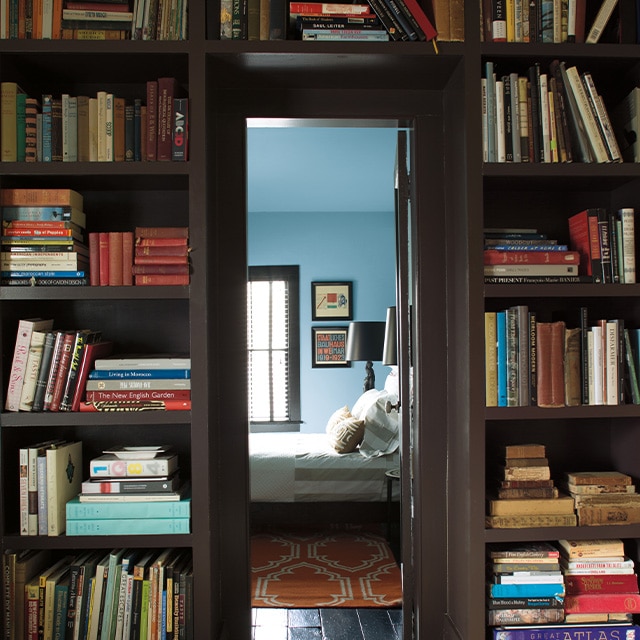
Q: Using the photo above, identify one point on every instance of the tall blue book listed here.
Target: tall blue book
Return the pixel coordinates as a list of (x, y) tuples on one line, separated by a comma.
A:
[(501, 355)]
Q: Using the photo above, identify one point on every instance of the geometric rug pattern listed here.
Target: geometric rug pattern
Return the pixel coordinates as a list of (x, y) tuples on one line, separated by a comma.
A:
[(323, 570)]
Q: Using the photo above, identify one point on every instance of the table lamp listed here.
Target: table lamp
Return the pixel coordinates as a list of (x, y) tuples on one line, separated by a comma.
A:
[(390, 351), (365, 342)]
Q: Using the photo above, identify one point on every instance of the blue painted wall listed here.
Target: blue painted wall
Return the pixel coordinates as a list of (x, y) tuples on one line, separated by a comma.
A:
[(329, 243)]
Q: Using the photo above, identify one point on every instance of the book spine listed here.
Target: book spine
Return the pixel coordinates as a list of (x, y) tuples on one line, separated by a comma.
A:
[(152, 120), (62, 371), (627, 218), (160, 279), (600, 22), (136, 405), (128, 526), (32, 369), (104, 396), (131, 468), (122, 510), (180, 136), (568, 632)]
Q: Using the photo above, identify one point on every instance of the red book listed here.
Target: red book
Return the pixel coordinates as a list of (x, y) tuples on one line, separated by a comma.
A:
[(167, 90), (135, 405), (494, 256), (161, 232), (89, 355), (601, 583), (103, 250), (161, 259), (62, 371), (550, 363), (602, 603), (161, 279), (138, 394), (169, 269), (177, 250), (421, 18), (127, 258), (321, 8), (40, 224), (152, 120), (115, 258), (584, 238), (94, 259), (37, 232), (161, 242)]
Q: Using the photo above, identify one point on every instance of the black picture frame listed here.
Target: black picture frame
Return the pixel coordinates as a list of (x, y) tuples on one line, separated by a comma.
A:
[(329, 347), (331, 300)]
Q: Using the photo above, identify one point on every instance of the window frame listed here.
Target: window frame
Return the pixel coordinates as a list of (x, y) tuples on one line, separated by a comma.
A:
[(291, 274)]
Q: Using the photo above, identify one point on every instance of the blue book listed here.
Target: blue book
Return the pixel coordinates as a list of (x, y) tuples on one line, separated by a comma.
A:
[(128, 526), (501, 357), (43, 213), (120, 374), (530, 590), (47, 125), (77, 510), (113, 578), (528, 247), (569, 632), (42, 274)]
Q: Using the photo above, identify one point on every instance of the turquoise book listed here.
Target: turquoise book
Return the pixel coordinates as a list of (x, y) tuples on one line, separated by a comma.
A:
[(128, 526), (77, 510), (529, 590)]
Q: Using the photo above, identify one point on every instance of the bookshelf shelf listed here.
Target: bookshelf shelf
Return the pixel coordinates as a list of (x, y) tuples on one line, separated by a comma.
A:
[(93, 420), (96, 293), (559, 533), (89, 542)]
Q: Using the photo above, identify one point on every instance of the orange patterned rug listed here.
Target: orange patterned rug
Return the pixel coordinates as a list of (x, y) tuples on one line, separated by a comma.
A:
[(329, 569)]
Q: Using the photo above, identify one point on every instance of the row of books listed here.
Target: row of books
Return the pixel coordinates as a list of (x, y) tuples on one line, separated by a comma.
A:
[(377, 20), (557, 21), (125, 593), (565, 588), (550, 365), (100, 128), (540, 116), (90, 20)]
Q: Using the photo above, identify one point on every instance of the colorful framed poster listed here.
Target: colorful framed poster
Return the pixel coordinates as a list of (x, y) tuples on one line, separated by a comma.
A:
[(331, 301), (329, 347)]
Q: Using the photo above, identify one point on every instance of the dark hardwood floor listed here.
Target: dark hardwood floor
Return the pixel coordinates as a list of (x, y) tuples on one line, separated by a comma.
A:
[(327, 624)]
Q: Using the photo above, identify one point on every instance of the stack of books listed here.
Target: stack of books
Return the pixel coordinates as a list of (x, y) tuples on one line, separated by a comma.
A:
[(601, 581), (131, 490), (526, 495), (43, 238), (525, 584), (161, 256), (139, 382), (111, 258), (604, 497), (524, 255), (112, 21)]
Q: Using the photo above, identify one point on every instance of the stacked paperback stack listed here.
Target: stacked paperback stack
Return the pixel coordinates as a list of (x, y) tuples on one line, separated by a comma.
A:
[(525, 584), (161, 256), (526, 494), (568, 120), (131, 490), (604, 497), (112, 23), (524, 255), (138, 383), (601, 582), (43, 238)]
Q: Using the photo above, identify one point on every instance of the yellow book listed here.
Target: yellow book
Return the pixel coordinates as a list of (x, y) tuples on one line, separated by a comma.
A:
[(531, 506), (491, 360)]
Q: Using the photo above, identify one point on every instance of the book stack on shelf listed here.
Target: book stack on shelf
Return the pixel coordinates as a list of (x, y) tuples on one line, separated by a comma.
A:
[(521, 254), (525, 584), (112, 20), (111, 258), (161, 256), (603, 497), (606, 243), (377, 20), (147, 496), (50, 475), (549, 22), (43, 238), (526, 495), (601, 581), (139, 382), (569, 121)]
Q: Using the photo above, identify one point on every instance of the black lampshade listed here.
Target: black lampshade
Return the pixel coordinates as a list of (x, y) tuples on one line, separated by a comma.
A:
[(390, 351), (365, 341)]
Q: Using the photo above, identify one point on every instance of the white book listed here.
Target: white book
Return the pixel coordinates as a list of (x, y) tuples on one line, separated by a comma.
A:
[(626, 216), (518, 24), (102, 126), (19, 363), (600, 21), (515, 116), (557, 21), (485, 124), (598, 366), (109, 127), (571, 20), (501, 153), (544, 117), (588, 117), (23, 488), (93, 129), (34, 358), (602, 118), (34, 451), (590, 369), (64, 478), (611, 365), (47, 19), (144, 362)]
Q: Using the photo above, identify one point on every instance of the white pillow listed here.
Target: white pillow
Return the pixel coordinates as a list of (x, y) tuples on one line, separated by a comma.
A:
[(381, 434)]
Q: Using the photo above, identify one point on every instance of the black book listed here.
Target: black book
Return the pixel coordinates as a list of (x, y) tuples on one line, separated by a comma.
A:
[(388, 20), (405, 24), (508, 119), (43, 373)]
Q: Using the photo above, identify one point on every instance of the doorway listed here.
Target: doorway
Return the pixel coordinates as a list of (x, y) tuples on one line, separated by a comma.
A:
[(321, 195)]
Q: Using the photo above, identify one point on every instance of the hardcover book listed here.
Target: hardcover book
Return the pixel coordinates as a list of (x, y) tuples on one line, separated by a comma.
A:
[(64, 479)]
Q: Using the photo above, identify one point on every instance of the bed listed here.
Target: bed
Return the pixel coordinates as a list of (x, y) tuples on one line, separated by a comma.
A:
[(301, 477)]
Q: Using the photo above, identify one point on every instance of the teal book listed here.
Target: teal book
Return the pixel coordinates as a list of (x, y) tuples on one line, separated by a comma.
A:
[(128, 526), (536, 590), (111, 588), (501, 356), (77, 510)]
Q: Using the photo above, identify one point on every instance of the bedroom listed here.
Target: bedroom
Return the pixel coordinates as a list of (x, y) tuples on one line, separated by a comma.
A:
[(322, 198)]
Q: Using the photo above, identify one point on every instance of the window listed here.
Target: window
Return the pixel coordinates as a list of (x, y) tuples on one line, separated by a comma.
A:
[(274, 348)]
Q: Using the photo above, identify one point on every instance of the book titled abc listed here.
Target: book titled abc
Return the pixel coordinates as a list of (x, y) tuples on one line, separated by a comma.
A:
[(109, 465)]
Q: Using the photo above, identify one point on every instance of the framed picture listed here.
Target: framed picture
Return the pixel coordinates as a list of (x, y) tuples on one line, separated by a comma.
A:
[(329, 347), (331, 301)]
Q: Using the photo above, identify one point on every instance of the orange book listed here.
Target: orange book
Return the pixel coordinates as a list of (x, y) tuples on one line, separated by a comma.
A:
[(56, 25), (41, 197), (118, 129), (550, 361), (115, 258), (103, 250), (127, 258), (161, 279)]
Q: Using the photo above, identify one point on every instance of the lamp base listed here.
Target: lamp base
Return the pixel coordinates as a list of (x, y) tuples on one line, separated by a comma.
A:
[(370, 377)]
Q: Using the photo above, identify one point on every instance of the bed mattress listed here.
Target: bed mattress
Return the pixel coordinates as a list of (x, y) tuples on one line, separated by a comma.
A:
[(302, 467)]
